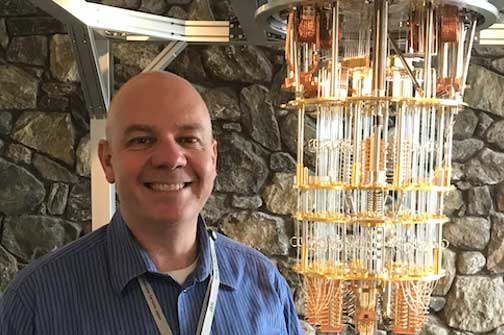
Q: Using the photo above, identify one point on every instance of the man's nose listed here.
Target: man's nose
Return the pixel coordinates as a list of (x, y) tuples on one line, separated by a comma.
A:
[(168, 154)]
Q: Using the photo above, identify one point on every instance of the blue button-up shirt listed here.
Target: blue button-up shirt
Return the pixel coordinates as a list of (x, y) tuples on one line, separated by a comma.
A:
[(91, 287)]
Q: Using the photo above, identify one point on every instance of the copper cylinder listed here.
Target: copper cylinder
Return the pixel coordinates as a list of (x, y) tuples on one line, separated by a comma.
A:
[(307, 28), (449, 24)]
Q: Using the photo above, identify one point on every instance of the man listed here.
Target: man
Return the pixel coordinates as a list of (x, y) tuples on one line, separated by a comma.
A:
[(154, 269)]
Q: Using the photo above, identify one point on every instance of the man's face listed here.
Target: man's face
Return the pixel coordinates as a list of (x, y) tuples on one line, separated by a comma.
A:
[(162, 158)]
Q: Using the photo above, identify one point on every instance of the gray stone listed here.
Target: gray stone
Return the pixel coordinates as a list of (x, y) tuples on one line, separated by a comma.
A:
[(233, 126), (239, 63), (31, 236), (484, 122), (54, 104), (80, 114), (282, 161), (51, 133), (16, 7), (448, 261), (132, 58), (83, 157), (222, 9), (475, 304), (241, 165), (307, 328), (79, 202), (258, 116), (498, 64), (288, 131), (129, 4), (38, 25), (469, 233), (8, 268), (495, 134), (479, 201), (5, 122), (21, 191), (54, 88), (463, 150), (453, 202), (4, 36), (222, 103), (258, 230), (28, 50), (278, 94), (19, 153), (465, 124), (470, 262), (486, 90), (498, 331), (200, 10), (215, 207), (58, 196), (436, 304), (189, 65), (457, 171), (495, 253), (246, 202), (280, 197), (51, 170), (153, 6), (488, 51), (19, 89), (177, 12), (486, 168), (63, 64), (2, 144), (434, 326), (500, 197)]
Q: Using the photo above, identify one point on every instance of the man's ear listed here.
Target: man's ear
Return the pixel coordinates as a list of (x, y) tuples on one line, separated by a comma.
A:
[(104, 153), (214, 153)]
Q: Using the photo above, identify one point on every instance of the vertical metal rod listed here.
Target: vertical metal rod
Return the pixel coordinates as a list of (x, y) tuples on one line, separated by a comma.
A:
[(299, 167), (335, 48), (380, 47), (427, 84), (468, 58)]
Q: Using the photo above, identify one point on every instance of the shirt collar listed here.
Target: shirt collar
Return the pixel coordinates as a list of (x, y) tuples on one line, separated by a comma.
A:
[(127, 259)]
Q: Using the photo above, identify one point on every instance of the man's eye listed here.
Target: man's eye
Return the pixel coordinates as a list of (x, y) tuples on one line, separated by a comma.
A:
[(188, 140), (140, 141)]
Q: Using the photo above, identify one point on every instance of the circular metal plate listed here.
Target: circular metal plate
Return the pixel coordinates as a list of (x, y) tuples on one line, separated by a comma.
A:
[(270, 18)]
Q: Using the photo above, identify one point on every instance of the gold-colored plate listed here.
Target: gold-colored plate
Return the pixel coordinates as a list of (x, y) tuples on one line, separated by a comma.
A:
[(368, 220), (347, 100), (365, 276)]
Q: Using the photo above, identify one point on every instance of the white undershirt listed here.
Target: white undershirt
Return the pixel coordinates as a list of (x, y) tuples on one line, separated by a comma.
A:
[(181, 275)]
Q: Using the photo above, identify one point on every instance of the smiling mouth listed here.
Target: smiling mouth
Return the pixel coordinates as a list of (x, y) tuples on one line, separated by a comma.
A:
[(160, 187)]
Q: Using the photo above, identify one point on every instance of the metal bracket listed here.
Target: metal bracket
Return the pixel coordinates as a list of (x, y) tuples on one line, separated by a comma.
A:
[(166, 56)]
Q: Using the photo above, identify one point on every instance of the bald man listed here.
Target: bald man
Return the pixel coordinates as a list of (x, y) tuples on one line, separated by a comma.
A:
[(155, 268)]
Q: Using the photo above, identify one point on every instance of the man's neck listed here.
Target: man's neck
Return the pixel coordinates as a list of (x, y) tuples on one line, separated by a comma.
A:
[(170, 246)]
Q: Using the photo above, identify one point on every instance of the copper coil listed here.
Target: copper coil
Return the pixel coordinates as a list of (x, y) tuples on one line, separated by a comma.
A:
[(449, 24), (324, 303), (366, 158), (409, 316), (307, 28)]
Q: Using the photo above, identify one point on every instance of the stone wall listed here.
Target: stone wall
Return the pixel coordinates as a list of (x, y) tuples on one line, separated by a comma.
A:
[(44, 167)]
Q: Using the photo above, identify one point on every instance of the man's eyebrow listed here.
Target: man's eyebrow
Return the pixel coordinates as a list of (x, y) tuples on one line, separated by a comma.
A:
[(138, 128), (190, 126)]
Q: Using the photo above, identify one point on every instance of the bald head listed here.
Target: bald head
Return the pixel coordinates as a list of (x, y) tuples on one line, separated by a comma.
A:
[(151, 91)]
